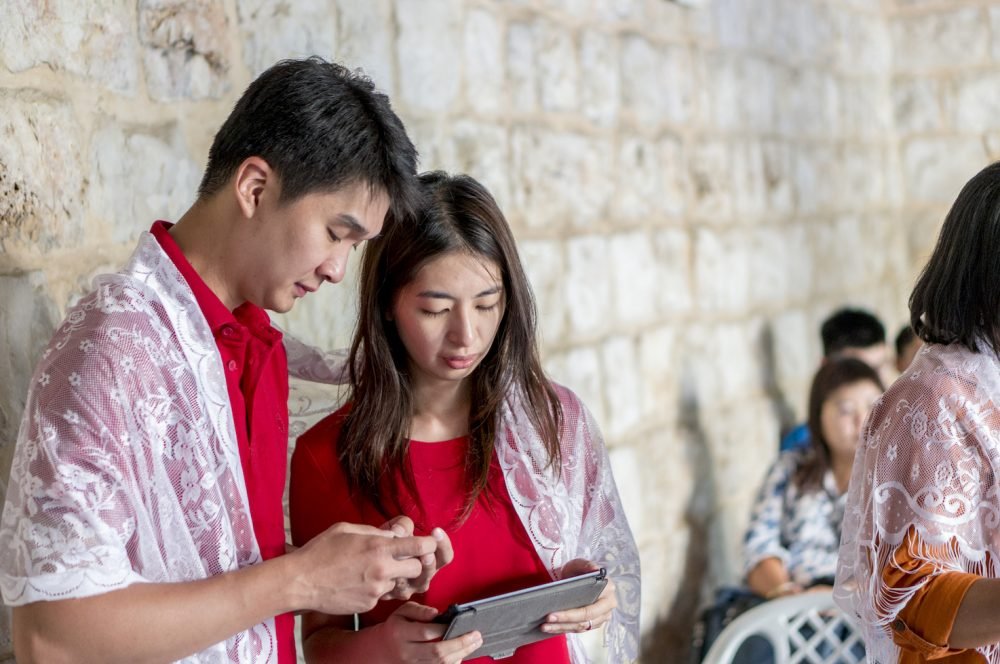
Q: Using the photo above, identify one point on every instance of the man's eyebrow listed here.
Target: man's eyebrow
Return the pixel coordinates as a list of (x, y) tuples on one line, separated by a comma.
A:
[(441, 295), (352, 223)]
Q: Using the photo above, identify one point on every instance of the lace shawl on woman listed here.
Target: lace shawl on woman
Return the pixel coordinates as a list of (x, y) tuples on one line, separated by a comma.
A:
[(575, 511), (929, 459), (127, 468)]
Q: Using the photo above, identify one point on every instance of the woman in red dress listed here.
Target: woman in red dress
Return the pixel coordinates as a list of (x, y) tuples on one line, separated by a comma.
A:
[(452, 422)]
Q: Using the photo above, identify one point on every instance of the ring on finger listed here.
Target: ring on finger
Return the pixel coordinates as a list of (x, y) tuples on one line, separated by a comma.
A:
[(590, 626)]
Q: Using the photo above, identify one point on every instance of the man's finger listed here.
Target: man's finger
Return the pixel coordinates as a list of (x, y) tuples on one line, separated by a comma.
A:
[(411, 547), (401, 526)]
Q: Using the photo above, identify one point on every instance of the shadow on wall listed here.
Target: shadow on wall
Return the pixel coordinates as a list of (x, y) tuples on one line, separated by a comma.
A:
[(783, 411), (669, 640), (27, 321)]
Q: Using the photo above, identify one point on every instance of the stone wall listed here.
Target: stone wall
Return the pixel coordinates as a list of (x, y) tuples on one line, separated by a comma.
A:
[(693, 189)]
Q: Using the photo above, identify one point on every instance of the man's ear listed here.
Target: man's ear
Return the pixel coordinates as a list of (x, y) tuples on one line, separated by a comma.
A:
[(253, 177)]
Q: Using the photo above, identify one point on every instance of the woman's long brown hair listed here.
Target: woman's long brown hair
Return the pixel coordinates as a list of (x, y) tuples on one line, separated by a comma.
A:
[(457, 214)]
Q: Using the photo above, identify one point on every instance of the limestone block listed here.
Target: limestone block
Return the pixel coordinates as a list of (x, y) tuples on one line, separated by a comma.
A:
[(365, 39), (622, 387), (778, 177), (724, 73), (818, 178), (995, 31), (759, 95), (638, 175), (769, 273), (865, 108), (94, 40), (484, 61), (839, 249), (992, 141), (580, 369), (273, 32), (558, 74), (480, 149), (722, 270), (804, 111), (674, 185), (658, 384), (917, 104), (626, 466), (921, 232), (940, 40), (546, 266), (522, 74), (645, 93), (796, 356), (588, 286), (600, 85), (977, 104), (139, 176), (185, 48), (863, 176), (635, 278), (612, 11), (711, 180), (894, 187), (798, 263), (678, 84), (41, 178), (673, 256), (749, 185), (935, 169), (429, 53), (560, 178), (863, 43), (732, 20)]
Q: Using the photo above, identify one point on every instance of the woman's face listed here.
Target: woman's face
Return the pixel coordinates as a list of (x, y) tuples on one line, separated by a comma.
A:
[(844, 413), (448, 316)]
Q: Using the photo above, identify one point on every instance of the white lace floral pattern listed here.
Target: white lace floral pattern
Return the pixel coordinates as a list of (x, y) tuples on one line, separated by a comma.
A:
[(928, 461), (127, 468), (576, 513)]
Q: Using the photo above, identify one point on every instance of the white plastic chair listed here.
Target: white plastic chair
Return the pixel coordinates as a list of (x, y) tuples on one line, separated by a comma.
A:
[(807, 628)]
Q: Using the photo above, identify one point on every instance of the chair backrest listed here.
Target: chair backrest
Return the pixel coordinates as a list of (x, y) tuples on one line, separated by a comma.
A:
[(807, 628)]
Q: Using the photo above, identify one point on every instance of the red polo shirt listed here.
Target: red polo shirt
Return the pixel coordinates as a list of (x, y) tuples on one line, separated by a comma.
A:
[(257, 377)]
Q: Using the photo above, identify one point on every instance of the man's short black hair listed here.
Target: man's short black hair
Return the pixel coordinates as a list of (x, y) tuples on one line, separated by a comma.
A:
[(957, 296), (850, 328), (321, 127), (904, 339)]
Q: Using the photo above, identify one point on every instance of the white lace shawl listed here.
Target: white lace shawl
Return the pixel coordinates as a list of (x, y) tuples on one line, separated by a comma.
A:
[(929, 460), (127, 468), (576, 513)]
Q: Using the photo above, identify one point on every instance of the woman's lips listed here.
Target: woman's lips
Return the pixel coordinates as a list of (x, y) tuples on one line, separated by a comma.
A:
[(460, 361)]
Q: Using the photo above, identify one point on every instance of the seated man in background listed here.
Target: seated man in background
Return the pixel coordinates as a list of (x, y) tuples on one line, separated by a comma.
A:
[(853, 333)]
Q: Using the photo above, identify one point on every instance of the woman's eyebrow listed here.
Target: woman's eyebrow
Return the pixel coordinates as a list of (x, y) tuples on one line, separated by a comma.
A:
[(441, 295)]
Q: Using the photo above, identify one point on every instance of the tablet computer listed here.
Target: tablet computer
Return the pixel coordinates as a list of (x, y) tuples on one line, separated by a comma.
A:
[(511, 620)]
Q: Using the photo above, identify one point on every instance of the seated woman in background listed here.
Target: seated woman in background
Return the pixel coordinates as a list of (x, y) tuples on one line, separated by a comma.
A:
[(794, 533), (452, 422)]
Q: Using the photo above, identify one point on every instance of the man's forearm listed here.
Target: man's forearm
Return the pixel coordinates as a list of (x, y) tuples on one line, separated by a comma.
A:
[(153, 622)]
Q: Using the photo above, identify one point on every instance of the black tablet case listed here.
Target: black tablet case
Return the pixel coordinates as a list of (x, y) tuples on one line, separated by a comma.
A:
[(509, 621)]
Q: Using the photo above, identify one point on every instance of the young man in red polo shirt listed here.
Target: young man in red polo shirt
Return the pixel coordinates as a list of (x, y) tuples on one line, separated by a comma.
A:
[(144, 518)]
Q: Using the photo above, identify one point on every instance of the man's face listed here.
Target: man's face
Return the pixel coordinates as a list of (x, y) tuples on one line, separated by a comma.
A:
[(293, 248), (876, 356)]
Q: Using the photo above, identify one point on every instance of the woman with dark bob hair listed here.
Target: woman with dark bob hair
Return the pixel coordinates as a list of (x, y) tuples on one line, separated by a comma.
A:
[(452, 422), (921, 542)]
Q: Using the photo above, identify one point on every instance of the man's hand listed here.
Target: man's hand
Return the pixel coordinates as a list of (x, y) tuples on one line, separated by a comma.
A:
[(348, 568), (402, 526)]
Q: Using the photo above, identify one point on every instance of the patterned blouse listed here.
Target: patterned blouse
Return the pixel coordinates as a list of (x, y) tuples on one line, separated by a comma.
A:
[(799, 527)]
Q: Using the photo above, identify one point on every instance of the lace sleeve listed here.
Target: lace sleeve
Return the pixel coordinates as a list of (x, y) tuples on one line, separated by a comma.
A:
[(315, 365), (605, 536)]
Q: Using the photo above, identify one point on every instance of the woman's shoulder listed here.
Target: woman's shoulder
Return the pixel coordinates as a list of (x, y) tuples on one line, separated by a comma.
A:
[(326, 432)]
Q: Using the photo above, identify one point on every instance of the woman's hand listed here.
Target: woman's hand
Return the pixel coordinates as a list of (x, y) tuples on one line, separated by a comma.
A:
[(408, 636), (586, 617)]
